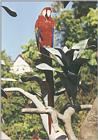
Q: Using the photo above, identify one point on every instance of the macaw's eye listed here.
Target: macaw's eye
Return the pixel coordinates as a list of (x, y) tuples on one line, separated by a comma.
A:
[(48, 13), (44, 13)]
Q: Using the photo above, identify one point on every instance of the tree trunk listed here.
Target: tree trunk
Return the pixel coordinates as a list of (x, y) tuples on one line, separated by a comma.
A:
[(89, 129)]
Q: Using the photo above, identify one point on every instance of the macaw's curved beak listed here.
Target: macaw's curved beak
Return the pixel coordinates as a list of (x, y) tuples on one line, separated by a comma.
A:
[(46, 16), (9, 11)]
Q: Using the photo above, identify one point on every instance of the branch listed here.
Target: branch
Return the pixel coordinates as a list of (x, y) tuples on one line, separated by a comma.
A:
[(66, 117), (67, 123), (67, 120), (47, 110), (56, 132), (35, 110), (40, 107), (86, 107), (27, 94)]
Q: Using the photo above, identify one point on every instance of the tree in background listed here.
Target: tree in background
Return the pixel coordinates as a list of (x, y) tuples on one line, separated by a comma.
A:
[(82, 8), (72, 29), (16, 125)]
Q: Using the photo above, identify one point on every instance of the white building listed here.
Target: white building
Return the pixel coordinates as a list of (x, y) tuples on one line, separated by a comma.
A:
[(20, 66), (2, 62)]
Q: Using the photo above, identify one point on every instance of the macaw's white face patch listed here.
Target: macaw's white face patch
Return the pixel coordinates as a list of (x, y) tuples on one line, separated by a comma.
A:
[(44, 12), (48, 13)]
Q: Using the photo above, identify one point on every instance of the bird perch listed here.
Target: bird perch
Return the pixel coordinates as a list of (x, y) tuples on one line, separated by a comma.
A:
[(54, 135), (56, 132)]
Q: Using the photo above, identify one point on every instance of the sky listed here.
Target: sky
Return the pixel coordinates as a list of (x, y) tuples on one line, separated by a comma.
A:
[(17, 31)]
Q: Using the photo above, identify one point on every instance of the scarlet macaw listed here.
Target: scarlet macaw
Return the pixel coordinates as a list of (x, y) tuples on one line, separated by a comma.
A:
[(44, 29)]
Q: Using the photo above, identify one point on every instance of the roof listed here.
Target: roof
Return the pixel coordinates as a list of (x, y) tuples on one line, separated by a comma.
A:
[(22, 59), (18, 57), (20, 66)]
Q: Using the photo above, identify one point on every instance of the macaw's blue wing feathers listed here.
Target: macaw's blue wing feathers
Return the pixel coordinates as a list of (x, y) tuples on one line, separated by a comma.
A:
[(38, 38), (53, 38)]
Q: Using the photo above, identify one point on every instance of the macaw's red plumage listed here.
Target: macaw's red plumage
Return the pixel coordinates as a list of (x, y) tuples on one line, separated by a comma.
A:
[(44, 27)]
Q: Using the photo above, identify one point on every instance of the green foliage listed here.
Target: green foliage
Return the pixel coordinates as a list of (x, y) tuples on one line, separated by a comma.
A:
[(17, 125), (5, 68), (81, 8), (30, 52), (24, 129), (78, 29), (92, 16)]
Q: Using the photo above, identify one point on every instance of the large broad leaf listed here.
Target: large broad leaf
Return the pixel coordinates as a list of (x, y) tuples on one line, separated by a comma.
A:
[(10, 11), (76, 65), (86, 88), (81, 46), (65, 3), (93, 69), (67, 57), (43, 84), (3, 93), (92, 47), (57, 59), (44, 66), (71, 83), (53, 51), (55, 54), (65, 49), (8, 79)]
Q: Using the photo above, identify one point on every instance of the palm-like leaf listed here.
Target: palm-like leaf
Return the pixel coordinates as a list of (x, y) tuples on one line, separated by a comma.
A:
[(93, 69), (86, 88), (10, 11), (70, 65), (43, 84), (71, 83), (45, 67), (3, 93), (81, 46), (53, 51), (67, 57), (76, 65), (92, 47)]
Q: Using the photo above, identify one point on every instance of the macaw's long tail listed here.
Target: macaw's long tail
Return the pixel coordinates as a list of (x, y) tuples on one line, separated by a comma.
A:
[(49, 79), (49, 123), (50, 82)]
